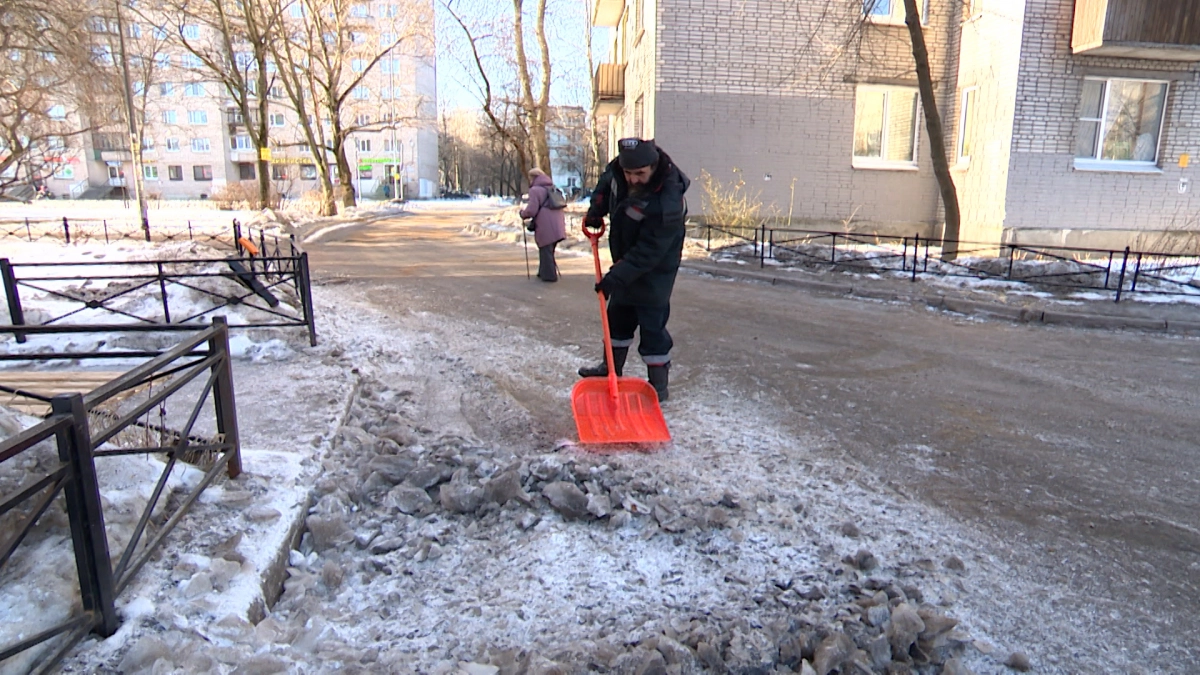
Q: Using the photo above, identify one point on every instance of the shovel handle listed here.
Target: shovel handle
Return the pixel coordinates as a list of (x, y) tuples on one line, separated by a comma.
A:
[(593, 234), (594, 237)]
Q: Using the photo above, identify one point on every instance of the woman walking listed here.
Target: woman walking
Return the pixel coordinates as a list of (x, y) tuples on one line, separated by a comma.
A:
[(549, 222)]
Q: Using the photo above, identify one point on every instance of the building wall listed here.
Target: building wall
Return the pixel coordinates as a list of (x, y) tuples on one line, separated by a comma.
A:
[(768, 88), (989, 56), (1048, 200)]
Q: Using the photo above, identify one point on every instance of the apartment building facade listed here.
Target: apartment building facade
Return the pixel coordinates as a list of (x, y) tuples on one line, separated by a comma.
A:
[(1067, 121), (195, 139)]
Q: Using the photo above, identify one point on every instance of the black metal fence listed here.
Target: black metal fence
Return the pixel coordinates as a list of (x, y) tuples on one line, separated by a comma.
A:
[(84, 427), (87, 292), (1062, 268), (88, 230)]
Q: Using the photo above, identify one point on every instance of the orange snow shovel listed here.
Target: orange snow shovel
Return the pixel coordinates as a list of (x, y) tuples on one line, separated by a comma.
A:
[(615, 409)]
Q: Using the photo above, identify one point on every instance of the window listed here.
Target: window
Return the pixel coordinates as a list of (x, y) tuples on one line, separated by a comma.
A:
[(364, 171), (198, 116), (385, 93), (56, 142), (102, 55), (891, 11), (276, 119), (166, 89), (201, 145), (139, 88), (357, 38), (135, 30), (99, 25), (386, 39), (363, 144), (392, 10), (189, 61), (244, 60), (239, 143), (175, 172), (246, 171), (279, 172), (308, 171), (172, 145), (275, 92), (974, 8), (195, 89), (150, 172), (297, 11), (147, 144), (362, 120), (58, 112), (966, 125), (159, 33), (638, 111), (359, 11), (358, 65), (1119, 124), (885, 127), (202, 172), (361, 92), (190, 31)]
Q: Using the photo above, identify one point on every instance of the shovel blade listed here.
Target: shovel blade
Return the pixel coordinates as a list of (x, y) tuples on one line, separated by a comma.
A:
[(632, 417)]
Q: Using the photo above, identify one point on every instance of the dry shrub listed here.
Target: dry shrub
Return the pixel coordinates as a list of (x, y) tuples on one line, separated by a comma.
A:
[(310, 202), (242, 195), (731, 206)]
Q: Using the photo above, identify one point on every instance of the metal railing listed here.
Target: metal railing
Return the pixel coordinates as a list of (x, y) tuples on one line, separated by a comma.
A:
[(1063, 268), (100, 288), (95, 426), (90, 230)]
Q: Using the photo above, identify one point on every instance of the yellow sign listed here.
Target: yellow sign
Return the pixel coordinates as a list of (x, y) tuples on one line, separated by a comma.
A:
[(264, 154), (293, 160), (1183, 160)]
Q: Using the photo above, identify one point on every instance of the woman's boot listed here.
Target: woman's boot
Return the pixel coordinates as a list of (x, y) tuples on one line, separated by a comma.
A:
[(601, 370)]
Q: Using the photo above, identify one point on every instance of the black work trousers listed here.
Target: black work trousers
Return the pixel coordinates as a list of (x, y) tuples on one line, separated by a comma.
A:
[(655, 344)]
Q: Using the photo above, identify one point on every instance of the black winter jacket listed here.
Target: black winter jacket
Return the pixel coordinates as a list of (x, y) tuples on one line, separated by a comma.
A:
[(646, 231)]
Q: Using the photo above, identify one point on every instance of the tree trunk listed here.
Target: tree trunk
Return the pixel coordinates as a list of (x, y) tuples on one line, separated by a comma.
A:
[(264, 167), (588, 177), (933, 125)]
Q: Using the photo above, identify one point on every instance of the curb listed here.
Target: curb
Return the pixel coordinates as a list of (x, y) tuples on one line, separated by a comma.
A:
[(956, 304)]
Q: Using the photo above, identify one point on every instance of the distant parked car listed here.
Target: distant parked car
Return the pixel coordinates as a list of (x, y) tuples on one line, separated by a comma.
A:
[(455, 195)]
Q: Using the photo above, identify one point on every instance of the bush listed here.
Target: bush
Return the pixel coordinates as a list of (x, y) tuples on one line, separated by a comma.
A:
[(732, 206), (242, 195)]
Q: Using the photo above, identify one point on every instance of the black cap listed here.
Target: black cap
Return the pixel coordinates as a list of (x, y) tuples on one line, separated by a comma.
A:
[(635, 153)]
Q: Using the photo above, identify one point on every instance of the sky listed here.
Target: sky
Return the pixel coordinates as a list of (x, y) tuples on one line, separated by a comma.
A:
[(458, 82)]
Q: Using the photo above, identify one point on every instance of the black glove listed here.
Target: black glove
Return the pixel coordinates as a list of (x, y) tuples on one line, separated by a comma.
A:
[(531, 226), (593, 223), (608, 284)]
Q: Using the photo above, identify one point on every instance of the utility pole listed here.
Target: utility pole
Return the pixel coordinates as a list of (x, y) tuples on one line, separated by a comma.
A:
[(135, 138)]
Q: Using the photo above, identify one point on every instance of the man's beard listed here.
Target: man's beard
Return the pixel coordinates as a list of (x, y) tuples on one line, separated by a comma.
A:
[(639, 189)]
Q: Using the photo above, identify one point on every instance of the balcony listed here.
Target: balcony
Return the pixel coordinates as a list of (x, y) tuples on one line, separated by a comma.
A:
[(607, 12), (608, 88), (111, 147), (1138, 29)]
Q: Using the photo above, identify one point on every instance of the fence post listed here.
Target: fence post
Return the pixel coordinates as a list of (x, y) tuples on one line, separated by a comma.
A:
[(105, 230), (833, 249), (162, 287), (1137, 270), (1011, 252), (904, 256), (92, 561), (306, 299), (1121, 278), (916, 252), (223, 401), (28, 232), (237, 236), (189, 230), (66, 230), (1108, 270), (13, 296)]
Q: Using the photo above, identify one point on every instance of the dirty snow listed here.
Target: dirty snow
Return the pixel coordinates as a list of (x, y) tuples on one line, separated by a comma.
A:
[(739, 536)]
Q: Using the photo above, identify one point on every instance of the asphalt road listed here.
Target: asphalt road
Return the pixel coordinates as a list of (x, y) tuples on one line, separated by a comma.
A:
[(1081, 443)]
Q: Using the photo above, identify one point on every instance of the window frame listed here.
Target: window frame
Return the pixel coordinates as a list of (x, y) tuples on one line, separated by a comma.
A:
[(880, 163), (149, 172), (196, 144), (174, 172), (1119, 165), (895, 13), (202, 173)]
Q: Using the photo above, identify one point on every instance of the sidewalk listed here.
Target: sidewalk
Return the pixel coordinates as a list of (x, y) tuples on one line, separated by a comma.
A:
[(1167, 317)]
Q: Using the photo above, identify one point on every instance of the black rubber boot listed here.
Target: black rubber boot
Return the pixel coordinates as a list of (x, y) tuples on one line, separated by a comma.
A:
[(658, 379), (601, 369)]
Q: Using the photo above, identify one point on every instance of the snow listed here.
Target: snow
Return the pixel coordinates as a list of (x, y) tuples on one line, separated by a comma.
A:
[(718, 535)]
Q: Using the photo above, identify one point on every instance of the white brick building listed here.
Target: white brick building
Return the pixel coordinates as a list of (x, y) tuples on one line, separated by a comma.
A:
[(1049, 142), (195, 140)]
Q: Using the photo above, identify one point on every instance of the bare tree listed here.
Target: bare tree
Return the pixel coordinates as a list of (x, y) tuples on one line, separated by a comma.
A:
[(49, 90), (232, 42), (507, 80)]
